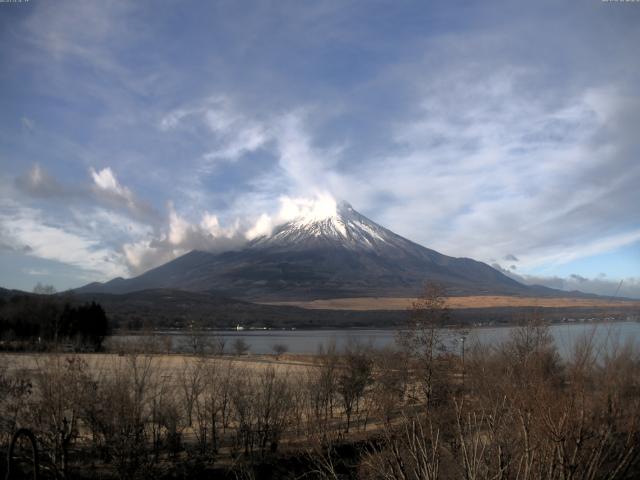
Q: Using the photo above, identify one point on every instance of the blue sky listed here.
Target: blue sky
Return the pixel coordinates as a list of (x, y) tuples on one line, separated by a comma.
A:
[(132, 132)]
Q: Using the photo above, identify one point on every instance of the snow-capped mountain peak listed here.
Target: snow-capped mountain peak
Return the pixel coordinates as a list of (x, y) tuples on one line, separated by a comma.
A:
[(334, 223), (321, 249)]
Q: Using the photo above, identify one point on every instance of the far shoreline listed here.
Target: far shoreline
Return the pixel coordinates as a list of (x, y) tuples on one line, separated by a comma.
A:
[(250, 331)]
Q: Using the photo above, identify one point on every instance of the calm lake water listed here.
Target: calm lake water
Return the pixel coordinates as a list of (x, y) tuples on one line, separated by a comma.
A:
[(605, 335)]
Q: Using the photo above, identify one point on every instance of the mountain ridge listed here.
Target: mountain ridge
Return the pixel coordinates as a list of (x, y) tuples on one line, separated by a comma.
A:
[(331, 251)]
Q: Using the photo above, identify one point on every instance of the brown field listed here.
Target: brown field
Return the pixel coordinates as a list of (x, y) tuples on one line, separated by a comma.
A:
[(403, 303), (170, 365)]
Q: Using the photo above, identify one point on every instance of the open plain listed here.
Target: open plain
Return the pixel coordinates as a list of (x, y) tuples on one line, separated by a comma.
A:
[(475, 301)]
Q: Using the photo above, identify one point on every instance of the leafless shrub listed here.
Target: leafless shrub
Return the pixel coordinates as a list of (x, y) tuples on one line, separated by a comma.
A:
[(240, 346), (279, 349)]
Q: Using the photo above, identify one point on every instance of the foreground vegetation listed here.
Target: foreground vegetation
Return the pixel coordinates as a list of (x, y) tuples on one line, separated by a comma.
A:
[(513, 411)]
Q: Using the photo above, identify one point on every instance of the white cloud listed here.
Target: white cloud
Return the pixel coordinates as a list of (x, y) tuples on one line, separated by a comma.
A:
[(63, 243), (485, 170), (82, 33), (36, 272), (628, 287), (179, 237), (263, 227), (37, 182), (145, 254), (182, 235), (562, 254), (104, 189), (478, 151), (109, 190), (316, 208), (112, 228), (481, 180), (106, 180), (178, 227), (231, 134), (236, 144), (310, 170), (211, 224), (172, 119)]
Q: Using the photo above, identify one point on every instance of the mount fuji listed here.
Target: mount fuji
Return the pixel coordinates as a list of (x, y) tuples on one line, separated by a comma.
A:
[(332, 252)]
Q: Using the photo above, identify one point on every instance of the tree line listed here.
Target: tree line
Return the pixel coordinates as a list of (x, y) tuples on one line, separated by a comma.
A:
[(41, 321)]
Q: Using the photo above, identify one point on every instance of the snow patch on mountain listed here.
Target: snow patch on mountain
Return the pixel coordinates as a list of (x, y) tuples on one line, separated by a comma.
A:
[(335, 223)]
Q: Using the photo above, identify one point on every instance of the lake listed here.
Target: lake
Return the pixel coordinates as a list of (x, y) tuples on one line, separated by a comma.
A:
[(565, 335)]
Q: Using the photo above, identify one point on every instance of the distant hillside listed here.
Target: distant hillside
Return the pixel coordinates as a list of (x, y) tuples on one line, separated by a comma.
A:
[(6, 293), (178, 309), (164, 309)]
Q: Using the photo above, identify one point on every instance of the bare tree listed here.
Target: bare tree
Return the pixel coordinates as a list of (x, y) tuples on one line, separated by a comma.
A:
[(422, 338), (212, 406), (353, 379), (321, 387), (196, 338), (117, 409), (279, 349), (218, 342), (60, 382), (244, 410), (390, 383), (166, 416), (42, 289), (191, 384), (411, 451), (240, 346), (274, 408)]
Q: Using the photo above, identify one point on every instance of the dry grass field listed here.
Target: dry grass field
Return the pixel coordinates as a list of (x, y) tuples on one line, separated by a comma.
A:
[(170, 366), (400, 303)]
